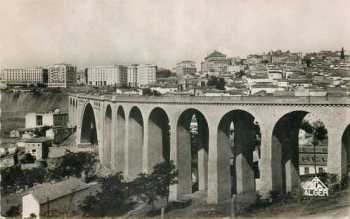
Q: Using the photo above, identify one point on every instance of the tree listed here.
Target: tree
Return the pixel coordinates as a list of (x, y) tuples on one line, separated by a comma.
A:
[(112, 200), (150, 92), (10, 177), (307, 61), (240, 73), (13, 178), (156, 185), (13, 211), (342, 55), (74, 164), (27, 158), (219, 83)]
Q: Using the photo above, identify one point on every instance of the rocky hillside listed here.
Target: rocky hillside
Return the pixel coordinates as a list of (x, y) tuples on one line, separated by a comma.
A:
[(15, 105)]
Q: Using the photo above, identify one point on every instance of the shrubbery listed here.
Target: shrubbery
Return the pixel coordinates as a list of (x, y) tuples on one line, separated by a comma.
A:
[(114, 197)]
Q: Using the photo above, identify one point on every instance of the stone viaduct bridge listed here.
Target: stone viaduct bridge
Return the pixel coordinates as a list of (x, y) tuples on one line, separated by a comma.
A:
[(133, 133)]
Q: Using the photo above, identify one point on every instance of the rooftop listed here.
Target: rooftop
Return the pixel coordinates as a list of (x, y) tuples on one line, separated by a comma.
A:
[(36, 140), (215, 54), (51, 191)]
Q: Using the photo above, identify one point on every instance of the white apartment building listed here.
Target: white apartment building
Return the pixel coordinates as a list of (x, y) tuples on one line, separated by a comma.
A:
[(185, 67), (146, 74), (21, 75), (61, 75), (107, 75), (132, 75), (36, 120)]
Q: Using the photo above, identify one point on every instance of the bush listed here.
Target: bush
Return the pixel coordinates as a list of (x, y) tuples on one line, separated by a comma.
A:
[(74, 164), (155, 186), (111, 201), (14, 177), (13, 211)]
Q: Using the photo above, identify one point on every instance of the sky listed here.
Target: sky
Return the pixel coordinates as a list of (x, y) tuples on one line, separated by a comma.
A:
[(164, 32)]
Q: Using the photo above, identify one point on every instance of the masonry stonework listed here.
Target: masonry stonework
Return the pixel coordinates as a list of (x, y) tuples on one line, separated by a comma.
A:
[(135, 127)]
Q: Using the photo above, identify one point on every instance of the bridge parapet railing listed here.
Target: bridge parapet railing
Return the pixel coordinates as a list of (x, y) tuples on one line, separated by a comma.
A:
[(222, 99)]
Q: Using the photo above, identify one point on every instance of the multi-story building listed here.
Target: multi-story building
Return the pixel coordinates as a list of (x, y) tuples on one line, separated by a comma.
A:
[(280, 57), (107, 75), (308, 153), (146, 74), (61, 75), (132, 75), (36, 120), (37, 147), (22, 75), (82, 76), (185, 67), (215, 63)]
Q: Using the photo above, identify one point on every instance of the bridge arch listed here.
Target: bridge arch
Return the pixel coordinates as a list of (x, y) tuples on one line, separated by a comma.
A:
[(192, 149), (159, 137), (286, 151), (238, 142), (88, 128), (107, 136), (135, 142), (119, 155), (345, 156)]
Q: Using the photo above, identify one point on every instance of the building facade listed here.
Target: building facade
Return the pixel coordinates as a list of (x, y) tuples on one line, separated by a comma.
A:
[(61, 75), (22, 75), (307, 162), (215, 63), (37, 147), (56, 199), (132, 75), (37, 120), (185, 67), (107, 75), (280, 57), (146, 74)]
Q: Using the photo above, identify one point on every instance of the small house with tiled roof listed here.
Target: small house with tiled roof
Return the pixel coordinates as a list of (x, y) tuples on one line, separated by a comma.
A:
[(60, 198)]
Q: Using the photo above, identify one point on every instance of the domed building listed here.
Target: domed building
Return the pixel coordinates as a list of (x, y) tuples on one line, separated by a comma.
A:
[(215, 63)]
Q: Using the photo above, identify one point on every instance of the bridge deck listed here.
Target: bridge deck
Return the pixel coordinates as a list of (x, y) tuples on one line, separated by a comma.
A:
[(280, 100)]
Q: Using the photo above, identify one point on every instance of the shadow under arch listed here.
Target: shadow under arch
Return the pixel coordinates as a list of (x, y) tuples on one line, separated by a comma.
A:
[(107, 137), (159, 137), (345, 156), (119, 155), (238, 142), (287, 154), (88, 127), (192, 151), (135, 142)]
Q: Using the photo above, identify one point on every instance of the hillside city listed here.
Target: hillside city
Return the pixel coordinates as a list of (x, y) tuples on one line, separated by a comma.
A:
[(274, 73), (41, 163)]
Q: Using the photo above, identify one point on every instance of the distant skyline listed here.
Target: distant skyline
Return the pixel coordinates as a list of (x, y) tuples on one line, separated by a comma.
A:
[(165, 32)]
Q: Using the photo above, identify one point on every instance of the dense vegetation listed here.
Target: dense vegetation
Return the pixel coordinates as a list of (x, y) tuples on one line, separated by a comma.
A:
[(117, 196), (73, 164)]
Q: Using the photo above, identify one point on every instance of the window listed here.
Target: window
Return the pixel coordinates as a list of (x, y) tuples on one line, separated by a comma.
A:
[(320, 170), (39, 120), (306, 170)]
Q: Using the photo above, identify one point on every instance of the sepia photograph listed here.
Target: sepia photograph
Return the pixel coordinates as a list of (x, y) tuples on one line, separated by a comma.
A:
[(167, 109)]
